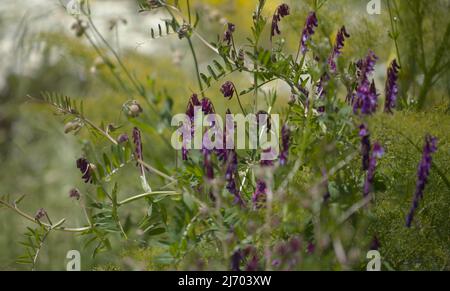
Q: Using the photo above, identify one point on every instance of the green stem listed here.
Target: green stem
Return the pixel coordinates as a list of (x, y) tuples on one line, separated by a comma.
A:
[(140, 196)]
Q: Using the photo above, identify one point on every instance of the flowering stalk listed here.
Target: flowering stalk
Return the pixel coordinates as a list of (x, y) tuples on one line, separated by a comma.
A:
[(337, 49), (391, 89), (423, 172), (282, 11), (377, 152)]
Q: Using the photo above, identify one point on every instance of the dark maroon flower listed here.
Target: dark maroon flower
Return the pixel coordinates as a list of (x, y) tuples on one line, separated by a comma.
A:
[(338, 46), (252, 265), (308, 31), (365, 146), (375, 243), (423, 172), (391, 89), (207, 164), (41, 213), (138, 148), (236, 259), (280, 12), (228, 35), (227, 89), (74, 193), (86, 169), (310, 249), (377, 152), (327, 195), (366, 95), (285, 142), (260, 194), (123, 138)]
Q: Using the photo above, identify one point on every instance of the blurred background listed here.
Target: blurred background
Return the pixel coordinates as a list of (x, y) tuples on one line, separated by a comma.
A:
[(39, 51)]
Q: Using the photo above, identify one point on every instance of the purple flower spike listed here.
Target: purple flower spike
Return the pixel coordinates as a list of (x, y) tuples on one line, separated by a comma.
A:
[(228, 35), (391, 89), (366, 95), (308, 31), (285, 140), (207, 163), (227, 89), (236, 259), (377, 152), (338, 46), (41, 213), (138, 146), (282, 11), (422, 175), (259, 196), (86, 170), (365, 146)]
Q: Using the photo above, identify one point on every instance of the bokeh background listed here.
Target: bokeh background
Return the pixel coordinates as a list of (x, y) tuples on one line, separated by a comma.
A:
[(40, 52)]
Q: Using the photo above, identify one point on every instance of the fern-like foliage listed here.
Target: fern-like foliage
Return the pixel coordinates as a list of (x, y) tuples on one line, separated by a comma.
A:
[(33, 243)]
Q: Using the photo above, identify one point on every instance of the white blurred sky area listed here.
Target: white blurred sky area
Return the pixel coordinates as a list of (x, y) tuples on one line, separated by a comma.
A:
[(20, 20)]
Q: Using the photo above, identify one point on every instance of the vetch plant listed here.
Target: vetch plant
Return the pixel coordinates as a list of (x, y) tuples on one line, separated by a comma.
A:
[(276, 185)]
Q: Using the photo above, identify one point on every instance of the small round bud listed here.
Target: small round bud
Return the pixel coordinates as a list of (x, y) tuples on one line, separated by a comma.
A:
[(74, 193)]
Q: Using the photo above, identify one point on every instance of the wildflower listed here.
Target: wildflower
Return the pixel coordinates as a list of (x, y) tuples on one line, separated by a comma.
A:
[(375, 243), (123, 138), (184, 31), (391, 89), (259, 196), (422, 175), (338, 46), (285, 140), (228, 35), (366, 95), (268, 162), (327, 195), (308, 31), (132, 109), (87, 169), (227, 89), (207, 164), (310, 248), (377, 152), (365, 146), (79, 27), (74, 193), (137, 140), (41, 213), (236, 259), (281, 11), (252, 265)]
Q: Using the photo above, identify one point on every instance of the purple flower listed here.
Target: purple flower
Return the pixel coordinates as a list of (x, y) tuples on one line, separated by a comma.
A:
[(366, 95), (365, 146), (227, 89), (375, 243), (231, 176), (285, 140), (338, 46), (391, 89), (422, 175), (377, 152), (310, 249), (308, 31), (236, 259), (228, 35), (123, 138), (207, 164), (41, 213), (327, 195), (74, 193), (259, 196), (252, 265), (282, 11), (86, 170), (207, 108)]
